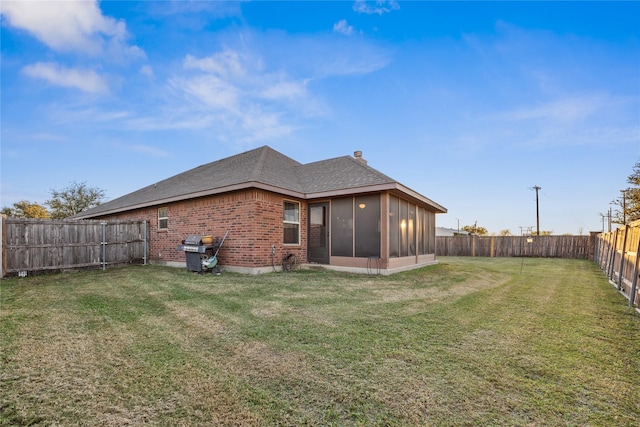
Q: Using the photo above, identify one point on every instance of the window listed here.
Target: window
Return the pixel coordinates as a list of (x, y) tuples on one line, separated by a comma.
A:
[(291, 223), (355, 225), (394, 227), (342, 227), (421, 234), (431, 232), (367, 227), (410, 225), (404, 228), (426, 234), (163, 218)]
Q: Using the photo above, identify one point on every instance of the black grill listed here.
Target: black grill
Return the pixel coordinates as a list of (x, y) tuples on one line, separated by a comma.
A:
[(193, 240), (198, 254)]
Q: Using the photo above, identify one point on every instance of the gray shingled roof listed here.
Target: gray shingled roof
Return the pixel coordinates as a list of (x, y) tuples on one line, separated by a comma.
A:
[(262, 167), (339, 173)]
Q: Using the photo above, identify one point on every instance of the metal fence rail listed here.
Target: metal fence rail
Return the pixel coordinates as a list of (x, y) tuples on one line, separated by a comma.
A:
[(617, 255), (36, 245)]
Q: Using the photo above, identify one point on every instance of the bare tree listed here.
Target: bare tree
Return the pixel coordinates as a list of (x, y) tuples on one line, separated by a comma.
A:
[(72, 200)]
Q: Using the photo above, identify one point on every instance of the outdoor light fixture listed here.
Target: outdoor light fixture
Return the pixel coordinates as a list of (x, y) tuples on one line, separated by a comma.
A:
[(362, 206)]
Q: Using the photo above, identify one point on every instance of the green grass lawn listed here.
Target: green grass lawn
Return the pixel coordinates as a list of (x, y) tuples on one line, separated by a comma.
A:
[(467, 342)]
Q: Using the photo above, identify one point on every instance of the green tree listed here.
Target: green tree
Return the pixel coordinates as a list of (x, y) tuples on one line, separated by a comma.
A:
[(72, 200), (628, 203), (26, 209), (633, 193), (474, 229), (505, 232)]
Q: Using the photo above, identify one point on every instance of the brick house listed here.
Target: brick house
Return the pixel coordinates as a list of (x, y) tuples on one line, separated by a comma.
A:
[(339, 213)]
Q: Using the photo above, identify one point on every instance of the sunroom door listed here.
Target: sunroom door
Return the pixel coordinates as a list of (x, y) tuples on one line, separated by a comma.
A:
[(318, 233)]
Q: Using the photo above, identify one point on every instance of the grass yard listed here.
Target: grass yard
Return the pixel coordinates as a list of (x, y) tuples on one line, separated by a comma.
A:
[(468, 342)]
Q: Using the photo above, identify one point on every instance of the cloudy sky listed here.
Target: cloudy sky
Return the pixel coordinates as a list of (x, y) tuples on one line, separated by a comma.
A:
[(470, 104)]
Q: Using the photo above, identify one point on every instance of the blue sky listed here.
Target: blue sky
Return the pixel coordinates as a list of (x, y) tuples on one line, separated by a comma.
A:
[(469, 103)]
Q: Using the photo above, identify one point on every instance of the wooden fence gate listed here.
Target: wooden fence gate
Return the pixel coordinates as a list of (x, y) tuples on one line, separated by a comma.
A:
[(36, 245), (617, 255)]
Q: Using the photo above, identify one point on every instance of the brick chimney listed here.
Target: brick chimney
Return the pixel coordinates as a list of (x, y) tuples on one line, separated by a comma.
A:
[(358, 156)]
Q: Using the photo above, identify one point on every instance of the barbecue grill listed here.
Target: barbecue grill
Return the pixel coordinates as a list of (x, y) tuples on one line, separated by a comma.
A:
[(199, 252)]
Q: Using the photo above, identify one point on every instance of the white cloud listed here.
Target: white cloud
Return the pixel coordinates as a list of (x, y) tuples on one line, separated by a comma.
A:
[(263, 126), (148, 150), (232, 90), (569, 109), (342, 27), (85, 80), (378, 6), (598, 120), (70, 26), (194, 13), (285, 90), (44, 136), (226, 63), (146, 70), (180, 118), (566, 110), (254, 89), (232, 81), (208, 89)]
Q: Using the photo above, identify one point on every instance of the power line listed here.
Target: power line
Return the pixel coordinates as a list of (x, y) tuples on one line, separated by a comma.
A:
[(579, 221)]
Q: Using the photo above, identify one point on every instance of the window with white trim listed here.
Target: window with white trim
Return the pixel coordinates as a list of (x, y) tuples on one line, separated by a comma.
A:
[(291, 223), (163, 218)]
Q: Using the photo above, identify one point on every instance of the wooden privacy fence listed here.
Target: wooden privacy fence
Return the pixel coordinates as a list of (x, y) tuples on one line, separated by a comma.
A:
[(579, 247), (36, 245), (617, 254)]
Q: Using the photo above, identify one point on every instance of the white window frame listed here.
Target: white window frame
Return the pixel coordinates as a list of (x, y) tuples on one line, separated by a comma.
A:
[(285, 221), (163, 218)]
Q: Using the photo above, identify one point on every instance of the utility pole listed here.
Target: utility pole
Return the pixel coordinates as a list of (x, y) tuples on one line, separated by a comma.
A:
[(535, 187)]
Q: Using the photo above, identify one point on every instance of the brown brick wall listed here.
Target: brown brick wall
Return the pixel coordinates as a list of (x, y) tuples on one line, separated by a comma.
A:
[(253, 219)]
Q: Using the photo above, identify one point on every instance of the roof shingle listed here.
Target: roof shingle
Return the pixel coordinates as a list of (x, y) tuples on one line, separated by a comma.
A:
[(258, 167)]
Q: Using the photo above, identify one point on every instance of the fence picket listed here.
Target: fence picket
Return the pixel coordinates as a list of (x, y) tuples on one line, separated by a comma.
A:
[(42, 245), (617, 256), (581, 247)]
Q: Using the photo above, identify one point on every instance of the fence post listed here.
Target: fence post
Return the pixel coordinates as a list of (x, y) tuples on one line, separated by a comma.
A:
[(622, 252), (493, 246), (612, 255), (2, 234), (104, 245), (144, 244), (600, 245), (634, 283), (604, 247)]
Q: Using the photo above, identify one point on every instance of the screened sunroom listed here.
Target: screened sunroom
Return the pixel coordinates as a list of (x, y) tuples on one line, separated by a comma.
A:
[(380, 231)]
